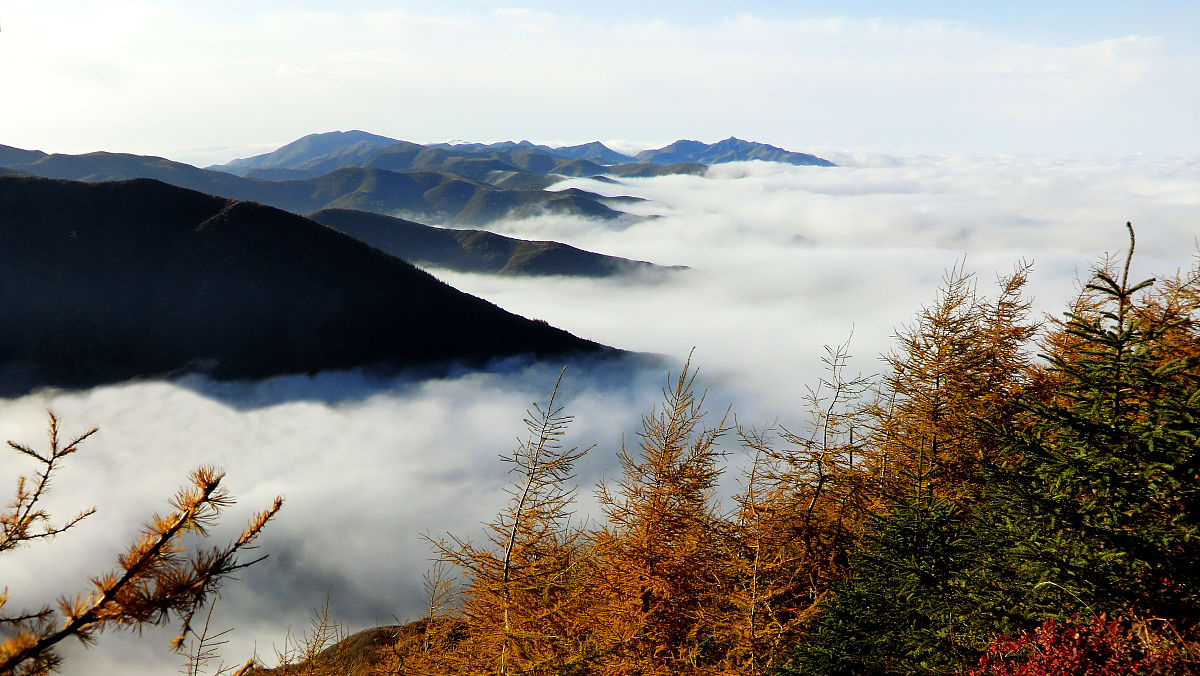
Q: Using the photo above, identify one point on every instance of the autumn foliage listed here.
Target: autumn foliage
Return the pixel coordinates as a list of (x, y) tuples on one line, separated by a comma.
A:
[(165, 574), (955, 514), (1101, 647), (1009, 496)]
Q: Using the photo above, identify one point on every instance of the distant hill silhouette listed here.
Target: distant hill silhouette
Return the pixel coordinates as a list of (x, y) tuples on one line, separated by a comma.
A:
[(10, 155), (476, 250), (492, 147), (594, 151), (644, 169), (479, 165), (108, 281), (104, 166), (511, 165), (499, 163), (299, 154), (428, 195), (730, 150)]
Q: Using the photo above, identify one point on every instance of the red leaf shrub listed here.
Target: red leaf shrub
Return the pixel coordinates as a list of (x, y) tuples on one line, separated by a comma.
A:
[(1101, 647)]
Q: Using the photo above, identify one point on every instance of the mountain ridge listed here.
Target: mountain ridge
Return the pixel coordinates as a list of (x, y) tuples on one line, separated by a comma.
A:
[(426, 194), (524, 155), (731, 149), (478, 250), (123, 279), (311, 145)]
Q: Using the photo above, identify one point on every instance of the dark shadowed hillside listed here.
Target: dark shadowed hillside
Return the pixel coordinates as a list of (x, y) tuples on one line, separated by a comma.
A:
[(113, 280), (476, 250)]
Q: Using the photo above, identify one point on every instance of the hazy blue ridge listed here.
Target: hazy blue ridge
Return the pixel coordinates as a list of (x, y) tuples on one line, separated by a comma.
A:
[(730, 150), (312, 147), (317, 154)]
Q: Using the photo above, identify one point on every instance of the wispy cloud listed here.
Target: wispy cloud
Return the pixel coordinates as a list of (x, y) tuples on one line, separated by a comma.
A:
[(154, 77)]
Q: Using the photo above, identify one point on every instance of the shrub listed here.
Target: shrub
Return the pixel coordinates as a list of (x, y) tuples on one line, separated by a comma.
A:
[(1100, 647)]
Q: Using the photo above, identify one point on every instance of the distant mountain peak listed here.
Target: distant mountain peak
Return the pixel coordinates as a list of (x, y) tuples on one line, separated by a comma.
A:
[(311, 148), (320, 153), (732, 149), (595, 151)]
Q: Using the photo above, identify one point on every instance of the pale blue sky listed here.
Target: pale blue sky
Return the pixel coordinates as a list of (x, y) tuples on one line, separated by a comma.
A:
[(1053, 23), (1050, 22), (165, 77)]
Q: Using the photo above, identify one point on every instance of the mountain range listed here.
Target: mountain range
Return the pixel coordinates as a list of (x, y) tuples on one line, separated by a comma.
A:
[(117, 266), (424, 194), (460, 184), (119, 279), (507, 164), (320, 153)]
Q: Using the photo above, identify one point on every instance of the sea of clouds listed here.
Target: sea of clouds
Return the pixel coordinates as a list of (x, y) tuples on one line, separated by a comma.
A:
[(783, 260)]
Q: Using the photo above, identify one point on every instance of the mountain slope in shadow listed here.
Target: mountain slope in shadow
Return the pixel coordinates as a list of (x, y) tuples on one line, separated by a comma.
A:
[(109, 281), (477, 250)]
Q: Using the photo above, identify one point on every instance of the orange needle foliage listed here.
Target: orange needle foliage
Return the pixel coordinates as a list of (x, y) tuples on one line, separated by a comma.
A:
[(521, 601), (661, 580), (852, 531), (668, 583), (962, 361), (158, 577)]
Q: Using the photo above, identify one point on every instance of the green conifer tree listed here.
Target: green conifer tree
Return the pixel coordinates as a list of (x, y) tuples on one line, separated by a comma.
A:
[(1100, 494), (910, 606)]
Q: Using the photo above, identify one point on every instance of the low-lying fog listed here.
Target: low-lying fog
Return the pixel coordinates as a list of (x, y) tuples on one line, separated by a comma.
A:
[(784, 260)]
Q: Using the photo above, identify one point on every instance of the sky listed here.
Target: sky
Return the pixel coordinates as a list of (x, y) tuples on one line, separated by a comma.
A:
[(204, 82)]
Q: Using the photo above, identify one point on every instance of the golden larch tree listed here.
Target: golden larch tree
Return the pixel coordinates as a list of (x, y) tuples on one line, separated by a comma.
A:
[(662, 581), (161, 576), (521, 602)]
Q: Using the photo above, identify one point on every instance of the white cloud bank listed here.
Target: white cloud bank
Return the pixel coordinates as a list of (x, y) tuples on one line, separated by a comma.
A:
[(784, 260)]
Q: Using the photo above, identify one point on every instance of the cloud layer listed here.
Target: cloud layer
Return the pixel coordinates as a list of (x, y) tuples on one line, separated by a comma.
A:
[(784, 260)]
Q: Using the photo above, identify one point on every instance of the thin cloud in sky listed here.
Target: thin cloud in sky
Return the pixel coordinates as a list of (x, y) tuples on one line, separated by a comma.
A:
[(153, 77)]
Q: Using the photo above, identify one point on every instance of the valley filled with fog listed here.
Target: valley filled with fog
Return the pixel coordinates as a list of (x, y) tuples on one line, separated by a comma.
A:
[(783, 260)]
